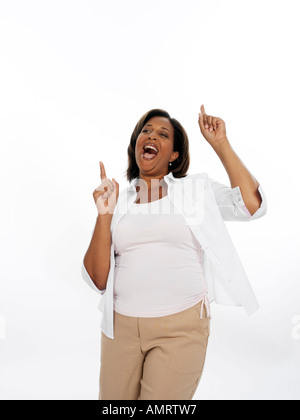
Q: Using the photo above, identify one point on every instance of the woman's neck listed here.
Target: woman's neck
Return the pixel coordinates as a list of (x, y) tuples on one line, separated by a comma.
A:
[(151, 191)]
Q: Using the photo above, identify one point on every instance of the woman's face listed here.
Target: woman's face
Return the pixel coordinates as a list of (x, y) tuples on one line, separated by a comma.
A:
[(160, 132)]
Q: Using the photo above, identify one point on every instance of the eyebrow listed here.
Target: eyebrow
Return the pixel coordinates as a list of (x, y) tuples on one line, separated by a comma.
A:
[(160, 127)]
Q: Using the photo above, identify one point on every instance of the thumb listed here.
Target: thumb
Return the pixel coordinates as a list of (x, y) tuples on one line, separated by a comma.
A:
[(200, 121)]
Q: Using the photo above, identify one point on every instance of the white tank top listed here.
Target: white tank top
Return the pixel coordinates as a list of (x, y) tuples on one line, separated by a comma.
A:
[(158, 269)]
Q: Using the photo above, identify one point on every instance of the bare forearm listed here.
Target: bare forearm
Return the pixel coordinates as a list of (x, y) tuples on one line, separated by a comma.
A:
[(97, 257), (239, 175)]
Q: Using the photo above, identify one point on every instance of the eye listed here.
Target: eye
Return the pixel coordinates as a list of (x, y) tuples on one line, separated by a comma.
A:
[(162, 134)]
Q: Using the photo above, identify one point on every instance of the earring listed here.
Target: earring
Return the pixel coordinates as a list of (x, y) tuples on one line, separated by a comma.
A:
[(170, 163)]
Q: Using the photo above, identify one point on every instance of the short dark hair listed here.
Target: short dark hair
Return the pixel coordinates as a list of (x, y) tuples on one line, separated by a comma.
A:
[(180, 165)]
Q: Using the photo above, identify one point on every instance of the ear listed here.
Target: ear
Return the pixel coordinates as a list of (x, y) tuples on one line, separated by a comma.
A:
[(174, 155)]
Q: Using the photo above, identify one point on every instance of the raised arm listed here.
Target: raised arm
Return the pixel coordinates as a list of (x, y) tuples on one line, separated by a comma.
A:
[(96, 262), (214, 131)]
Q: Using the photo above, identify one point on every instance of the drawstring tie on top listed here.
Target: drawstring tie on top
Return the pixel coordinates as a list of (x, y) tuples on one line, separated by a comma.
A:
[(205, 302)]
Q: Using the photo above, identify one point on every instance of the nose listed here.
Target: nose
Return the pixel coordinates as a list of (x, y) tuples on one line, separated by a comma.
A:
[(151, 138)]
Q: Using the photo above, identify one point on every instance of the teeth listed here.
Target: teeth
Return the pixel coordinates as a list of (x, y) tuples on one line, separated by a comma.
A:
[(149, 157), (150, 147)]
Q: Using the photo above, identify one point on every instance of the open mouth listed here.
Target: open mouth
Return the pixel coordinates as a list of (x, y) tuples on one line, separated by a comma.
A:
[(150, 152)]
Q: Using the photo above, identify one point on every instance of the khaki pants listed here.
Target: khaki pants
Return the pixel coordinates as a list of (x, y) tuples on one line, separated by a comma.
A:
[(154, 358)]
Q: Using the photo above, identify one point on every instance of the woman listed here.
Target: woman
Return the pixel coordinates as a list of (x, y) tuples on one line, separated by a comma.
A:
[(159, 266)]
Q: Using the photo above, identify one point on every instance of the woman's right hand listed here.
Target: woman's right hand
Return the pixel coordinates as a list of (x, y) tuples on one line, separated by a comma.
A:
[(107, 194)]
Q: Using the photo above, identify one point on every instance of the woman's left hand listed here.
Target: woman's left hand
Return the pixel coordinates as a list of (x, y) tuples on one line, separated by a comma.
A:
[(212, 128)]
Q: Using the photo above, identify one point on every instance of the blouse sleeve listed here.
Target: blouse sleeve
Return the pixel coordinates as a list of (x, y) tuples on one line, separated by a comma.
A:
[(231, 203)]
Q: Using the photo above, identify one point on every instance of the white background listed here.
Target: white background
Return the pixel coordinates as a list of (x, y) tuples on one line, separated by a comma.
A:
[(75, 77)]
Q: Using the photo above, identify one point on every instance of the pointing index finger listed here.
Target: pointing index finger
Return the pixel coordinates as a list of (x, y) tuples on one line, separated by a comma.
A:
[(202, 110), (102, 171)]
